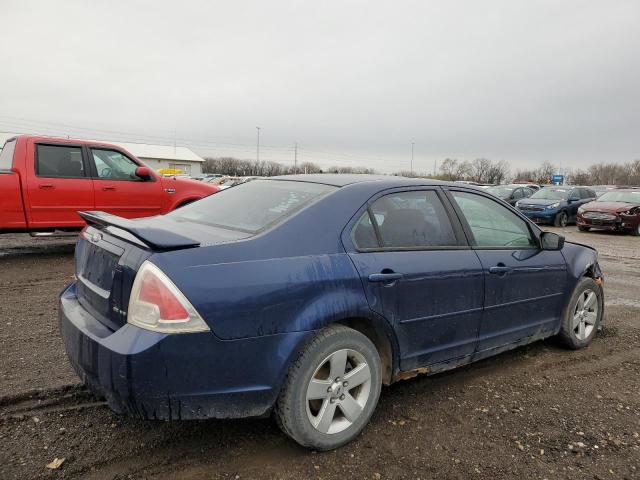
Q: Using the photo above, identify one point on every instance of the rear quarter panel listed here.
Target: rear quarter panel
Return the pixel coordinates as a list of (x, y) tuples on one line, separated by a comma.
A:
[(264, 297), (11, 206)]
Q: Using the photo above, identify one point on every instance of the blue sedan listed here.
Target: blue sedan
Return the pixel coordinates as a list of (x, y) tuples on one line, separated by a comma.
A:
[(556, 205), (300, 296)]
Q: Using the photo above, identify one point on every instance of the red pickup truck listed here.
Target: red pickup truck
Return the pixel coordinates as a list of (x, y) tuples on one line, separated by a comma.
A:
[(45, 181)]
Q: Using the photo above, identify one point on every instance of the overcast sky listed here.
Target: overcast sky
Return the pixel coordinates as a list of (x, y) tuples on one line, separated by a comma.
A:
[(353, 82)]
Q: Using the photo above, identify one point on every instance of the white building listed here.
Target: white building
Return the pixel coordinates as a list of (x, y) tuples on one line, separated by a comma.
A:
[(155, 156)]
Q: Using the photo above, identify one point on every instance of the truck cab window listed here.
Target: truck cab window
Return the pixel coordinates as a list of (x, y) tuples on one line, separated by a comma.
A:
[(113, 165), (59, 161)]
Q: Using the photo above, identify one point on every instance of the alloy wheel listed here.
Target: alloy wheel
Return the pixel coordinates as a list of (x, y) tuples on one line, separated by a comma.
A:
[(585, 314), (338, 391)]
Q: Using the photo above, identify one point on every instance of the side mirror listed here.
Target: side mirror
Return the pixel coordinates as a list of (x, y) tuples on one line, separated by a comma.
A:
[(573, 199), (143, 172), (551, 241)]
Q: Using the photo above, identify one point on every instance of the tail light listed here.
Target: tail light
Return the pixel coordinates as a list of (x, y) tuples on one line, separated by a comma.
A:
[(157, 304)]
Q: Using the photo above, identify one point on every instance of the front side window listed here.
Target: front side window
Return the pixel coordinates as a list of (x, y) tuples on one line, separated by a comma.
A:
[(491, 224), (113, 165), (6, 155), (252, 206), (406, 220), (59, 161)]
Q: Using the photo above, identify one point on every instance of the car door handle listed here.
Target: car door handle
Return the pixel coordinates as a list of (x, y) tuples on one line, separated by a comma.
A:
[(500, 270), (385, 277), (45, 185), (108, 187)]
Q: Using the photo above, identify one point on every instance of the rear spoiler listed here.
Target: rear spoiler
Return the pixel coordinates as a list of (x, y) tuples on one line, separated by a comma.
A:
[(148, 230)]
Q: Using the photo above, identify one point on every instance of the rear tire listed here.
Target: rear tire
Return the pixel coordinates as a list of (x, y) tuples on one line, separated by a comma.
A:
[(331, 390), (561, 219), (583, 229), (583, 315)]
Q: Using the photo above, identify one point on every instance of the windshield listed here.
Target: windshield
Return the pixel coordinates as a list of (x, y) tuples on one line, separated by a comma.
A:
[(6, 155), (252, 206), (628, 197), (551, 194), (500, 191)]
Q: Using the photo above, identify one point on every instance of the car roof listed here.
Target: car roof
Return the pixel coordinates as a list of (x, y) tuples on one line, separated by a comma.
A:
[(344, 179)]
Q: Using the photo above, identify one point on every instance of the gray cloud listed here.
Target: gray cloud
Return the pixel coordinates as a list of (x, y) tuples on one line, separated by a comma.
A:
[(352, 82)]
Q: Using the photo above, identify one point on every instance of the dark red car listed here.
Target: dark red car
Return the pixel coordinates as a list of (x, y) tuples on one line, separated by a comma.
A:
[(614, 210)]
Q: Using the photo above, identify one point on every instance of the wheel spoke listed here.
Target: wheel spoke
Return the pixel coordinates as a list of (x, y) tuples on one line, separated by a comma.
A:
[(358, 375), (580, 304), (581, 331), (317, 389), (576, 321), (325, 416), (590, 318), (590, 301), (338, 362), (350, 408)]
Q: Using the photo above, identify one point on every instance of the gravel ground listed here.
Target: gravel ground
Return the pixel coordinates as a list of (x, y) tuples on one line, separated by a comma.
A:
[(537, 412)]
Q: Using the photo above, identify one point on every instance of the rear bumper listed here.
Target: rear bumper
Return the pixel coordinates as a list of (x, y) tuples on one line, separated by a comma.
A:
[(179, 376)]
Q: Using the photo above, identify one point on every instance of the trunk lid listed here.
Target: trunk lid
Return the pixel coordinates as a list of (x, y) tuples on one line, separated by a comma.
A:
[(111, 250)]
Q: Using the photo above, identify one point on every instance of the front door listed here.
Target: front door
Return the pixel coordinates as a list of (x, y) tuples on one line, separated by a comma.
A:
[(117, 188), (419, 274), (59, 187), (524, 285)]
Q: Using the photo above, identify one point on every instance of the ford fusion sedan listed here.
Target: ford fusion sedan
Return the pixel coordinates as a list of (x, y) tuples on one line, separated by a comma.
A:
[(556, 205), (510, 193), (300, 296), (617, 210)]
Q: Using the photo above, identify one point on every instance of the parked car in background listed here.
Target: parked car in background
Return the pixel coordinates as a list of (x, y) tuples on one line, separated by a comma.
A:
[(45, 182), (302, 295), (556, 205), (208, 176), (510, 193), (617, 210), (531, 185)]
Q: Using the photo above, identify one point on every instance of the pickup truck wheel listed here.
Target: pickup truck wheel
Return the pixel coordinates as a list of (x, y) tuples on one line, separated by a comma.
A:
[(583, 315), (331, 390), (561, 219)]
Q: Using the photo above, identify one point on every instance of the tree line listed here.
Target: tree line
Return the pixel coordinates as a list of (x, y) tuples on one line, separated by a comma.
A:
[(266, 168), (480, 170)]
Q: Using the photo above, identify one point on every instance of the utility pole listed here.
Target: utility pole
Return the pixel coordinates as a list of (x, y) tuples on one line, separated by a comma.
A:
[(435, 167), (412, 143), (295, 158), (258, 145)]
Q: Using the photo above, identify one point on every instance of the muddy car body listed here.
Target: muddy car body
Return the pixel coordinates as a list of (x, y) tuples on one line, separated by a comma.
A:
[(319, 290)]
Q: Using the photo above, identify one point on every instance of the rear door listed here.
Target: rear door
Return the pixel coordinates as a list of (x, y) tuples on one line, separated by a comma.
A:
[(117, 188), (524, 285), (58, 185), (419, 274)]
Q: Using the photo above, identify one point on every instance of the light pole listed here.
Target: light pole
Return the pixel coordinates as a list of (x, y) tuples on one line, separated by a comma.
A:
[(412, 144), (258, 145)]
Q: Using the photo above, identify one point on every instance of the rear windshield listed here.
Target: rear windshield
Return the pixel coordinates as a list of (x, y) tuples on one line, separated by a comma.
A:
[(252, 206), (6, 155), (628, 197), (551, 194)]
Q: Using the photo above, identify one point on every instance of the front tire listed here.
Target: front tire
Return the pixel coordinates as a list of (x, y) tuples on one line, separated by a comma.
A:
[(331, 390), (636, 231), (583, 315), (561, 219), (583, 229)]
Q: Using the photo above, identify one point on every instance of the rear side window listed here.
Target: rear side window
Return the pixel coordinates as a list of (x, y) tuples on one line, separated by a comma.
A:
[(6, 155), (491, 224), (59, 161), (406, 220), (252, 206)]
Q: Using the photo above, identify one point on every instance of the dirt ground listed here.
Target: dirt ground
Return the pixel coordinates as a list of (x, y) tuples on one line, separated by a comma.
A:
[(536, 412)]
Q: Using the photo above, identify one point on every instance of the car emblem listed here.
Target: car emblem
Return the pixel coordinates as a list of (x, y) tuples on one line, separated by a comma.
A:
[(96, 237)]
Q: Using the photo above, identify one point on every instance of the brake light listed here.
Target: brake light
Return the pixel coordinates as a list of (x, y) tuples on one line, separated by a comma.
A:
[(157, 304)]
